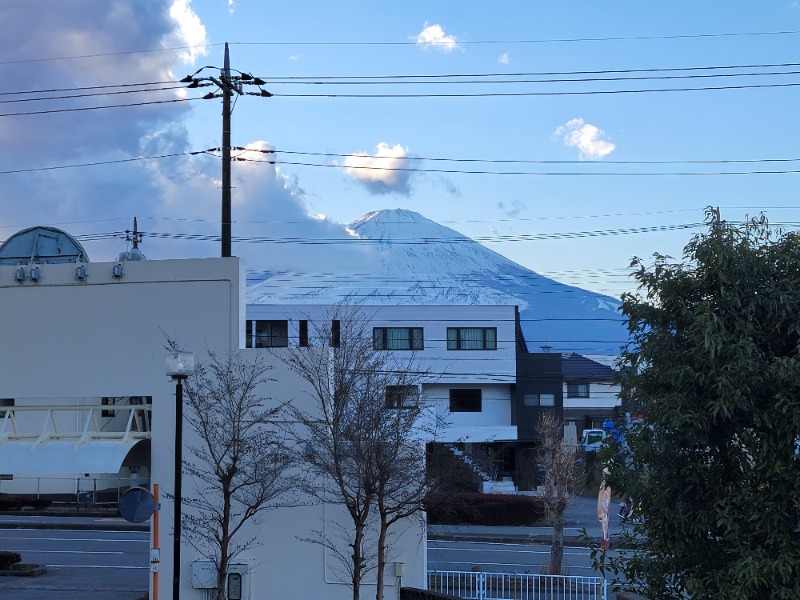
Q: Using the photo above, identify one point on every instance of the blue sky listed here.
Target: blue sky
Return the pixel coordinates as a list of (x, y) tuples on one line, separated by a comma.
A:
[(595, 223)]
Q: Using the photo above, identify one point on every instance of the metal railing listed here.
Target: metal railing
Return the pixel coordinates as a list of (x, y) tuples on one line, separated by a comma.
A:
[(50, 423), (512, 586)]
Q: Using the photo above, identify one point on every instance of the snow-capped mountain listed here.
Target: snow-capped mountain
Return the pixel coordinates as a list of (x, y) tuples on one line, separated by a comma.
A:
[(417, 261)]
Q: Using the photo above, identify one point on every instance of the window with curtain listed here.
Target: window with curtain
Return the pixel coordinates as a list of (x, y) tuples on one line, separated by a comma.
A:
[(397, 338), (472, 338), (577, 390)]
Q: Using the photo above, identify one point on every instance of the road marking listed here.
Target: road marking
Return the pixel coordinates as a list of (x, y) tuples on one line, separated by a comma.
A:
[(515, 551), (29, 551), (68, 539), (94, 567)]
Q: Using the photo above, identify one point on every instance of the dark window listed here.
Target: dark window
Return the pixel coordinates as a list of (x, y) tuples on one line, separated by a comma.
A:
[(336, 333), (402, 396), (3, 403), (465, 400), (472, 338), (577, 390), (267, 334), (397, 338), (108, 402), (539, 399), (303, 334)]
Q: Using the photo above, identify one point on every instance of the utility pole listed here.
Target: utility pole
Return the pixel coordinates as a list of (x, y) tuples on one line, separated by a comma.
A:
[(226, 155), (227, 85)]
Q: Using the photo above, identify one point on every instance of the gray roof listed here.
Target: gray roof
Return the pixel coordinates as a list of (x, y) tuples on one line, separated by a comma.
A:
[(575, 366)]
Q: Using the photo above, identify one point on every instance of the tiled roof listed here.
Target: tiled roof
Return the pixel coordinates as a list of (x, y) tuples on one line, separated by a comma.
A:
[(575, 366)]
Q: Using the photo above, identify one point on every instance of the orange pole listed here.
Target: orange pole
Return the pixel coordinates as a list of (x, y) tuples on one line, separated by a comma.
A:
[(155, 539)]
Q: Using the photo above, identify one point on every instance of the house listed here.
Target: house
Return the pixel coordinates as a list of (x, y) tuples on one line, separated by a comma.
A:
[(591, 393)]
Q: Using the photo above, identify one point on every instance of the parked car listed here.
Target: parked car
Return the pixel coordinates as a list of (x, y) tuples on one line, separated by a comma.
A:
[(592, 439)]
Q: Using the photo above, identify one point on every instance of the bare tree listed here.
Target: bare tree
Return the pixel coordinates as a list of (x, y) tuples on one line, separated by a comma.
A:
[(362, 436), (239, 464), (561, 481), (403, 482)]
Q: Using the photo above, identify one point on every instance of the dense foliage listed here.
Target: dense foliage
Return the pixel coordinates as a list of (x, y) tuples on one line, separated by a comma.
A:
[(713, 367)]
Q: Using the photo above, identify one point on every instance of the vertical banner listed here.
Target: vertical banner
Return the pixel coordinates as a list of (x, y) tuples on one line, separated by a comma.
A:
[(603, 506)]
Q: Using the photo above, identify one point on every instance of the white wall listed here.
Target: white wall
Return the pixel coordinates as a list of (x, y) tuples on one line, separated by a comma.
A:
[(459, 366), (62, 340), (601, 396)]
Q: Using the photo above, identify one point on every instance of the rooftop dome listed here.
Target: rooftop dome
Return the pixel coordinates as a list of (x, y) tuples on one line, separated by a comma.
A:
[(41, 245)]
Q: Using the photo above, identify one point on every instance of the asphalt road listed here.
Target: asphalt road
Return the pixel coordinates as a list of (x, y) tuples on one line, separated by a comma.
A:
[(501, 557), (91, 565)]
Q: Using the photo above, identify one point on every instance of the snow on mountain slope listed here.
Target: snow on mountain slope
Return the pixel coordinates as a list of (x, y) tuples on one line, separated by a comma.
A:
[(418, 261)]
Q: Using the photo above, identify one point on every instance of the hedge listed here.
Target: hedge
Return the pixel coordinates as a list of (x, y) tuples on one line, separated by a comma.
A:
[(8, 559), (471, 508), (11, 502)]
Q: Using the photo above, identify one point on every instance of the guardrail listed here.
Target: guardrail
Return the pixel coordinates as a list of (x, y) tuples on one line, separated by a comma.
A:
[(512, 586)]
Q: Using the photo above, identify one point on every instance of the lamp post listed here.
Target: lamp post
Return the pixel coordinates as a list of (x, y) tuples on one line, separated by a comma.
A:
[(179, 365)]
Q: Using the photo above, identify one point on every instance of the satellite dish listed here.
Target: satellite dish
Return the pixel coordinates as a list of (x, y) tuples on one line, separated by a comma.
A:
[(136, 505)]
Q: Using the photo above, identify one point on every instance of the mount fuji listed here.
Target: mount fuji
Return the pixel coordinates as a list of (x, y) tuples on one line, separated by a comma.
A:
[(417, 261)]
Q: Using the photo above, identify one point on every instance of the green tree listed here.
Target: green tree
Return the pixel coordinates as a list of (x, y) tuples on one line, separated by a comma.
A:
[(713, 365)]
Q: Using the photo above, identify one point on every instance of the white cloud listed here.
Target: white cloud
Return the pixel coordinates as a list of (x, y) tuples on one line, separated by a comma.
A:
[(190, 31), (375, 172), (587, 138), (504, 59), (294, 57), (433, 36)]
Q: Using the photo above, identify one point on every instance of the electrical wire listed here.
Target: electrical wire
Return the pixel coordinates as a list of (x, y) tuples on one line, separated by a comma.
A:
[(85, 108), (101, 162), (534, 73), (92, 95), (517, 173), (90, 87), (529, 94), (521, 81), (414, 43)]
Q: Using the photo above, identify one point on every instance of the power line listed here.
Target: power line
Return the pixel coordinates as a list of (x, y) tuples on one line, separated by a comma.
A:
[(85, 88), (414, 43), (520, 173), (527, 94), (91, 95), (101, 162), (535, 73), (539, 41), (520, 81), (85, 108), (533, 162)]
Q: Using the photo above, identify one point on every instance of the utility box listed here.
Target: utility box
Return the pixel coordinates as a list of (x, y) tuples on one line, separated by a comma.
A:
[(237, 583)]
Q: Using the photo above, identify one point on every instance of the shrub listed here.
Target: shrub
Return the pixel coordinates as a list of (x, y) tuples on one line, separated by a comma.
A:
[(8, 559), (12, 502), (484, 509)]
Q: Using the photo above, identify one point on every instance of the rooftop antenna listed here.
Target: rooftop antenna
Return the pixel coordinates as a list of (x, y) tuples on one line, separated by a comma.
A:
[(134, 238)]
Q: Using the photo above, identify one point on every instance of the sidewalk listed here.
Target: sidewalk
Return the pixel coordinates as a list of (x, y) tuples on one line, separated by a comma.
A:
[(107, 519)]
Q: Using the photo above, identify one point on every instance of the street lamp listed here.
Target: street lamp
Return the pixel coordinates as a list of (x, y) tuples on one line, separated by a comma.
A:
[(179, 365)]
